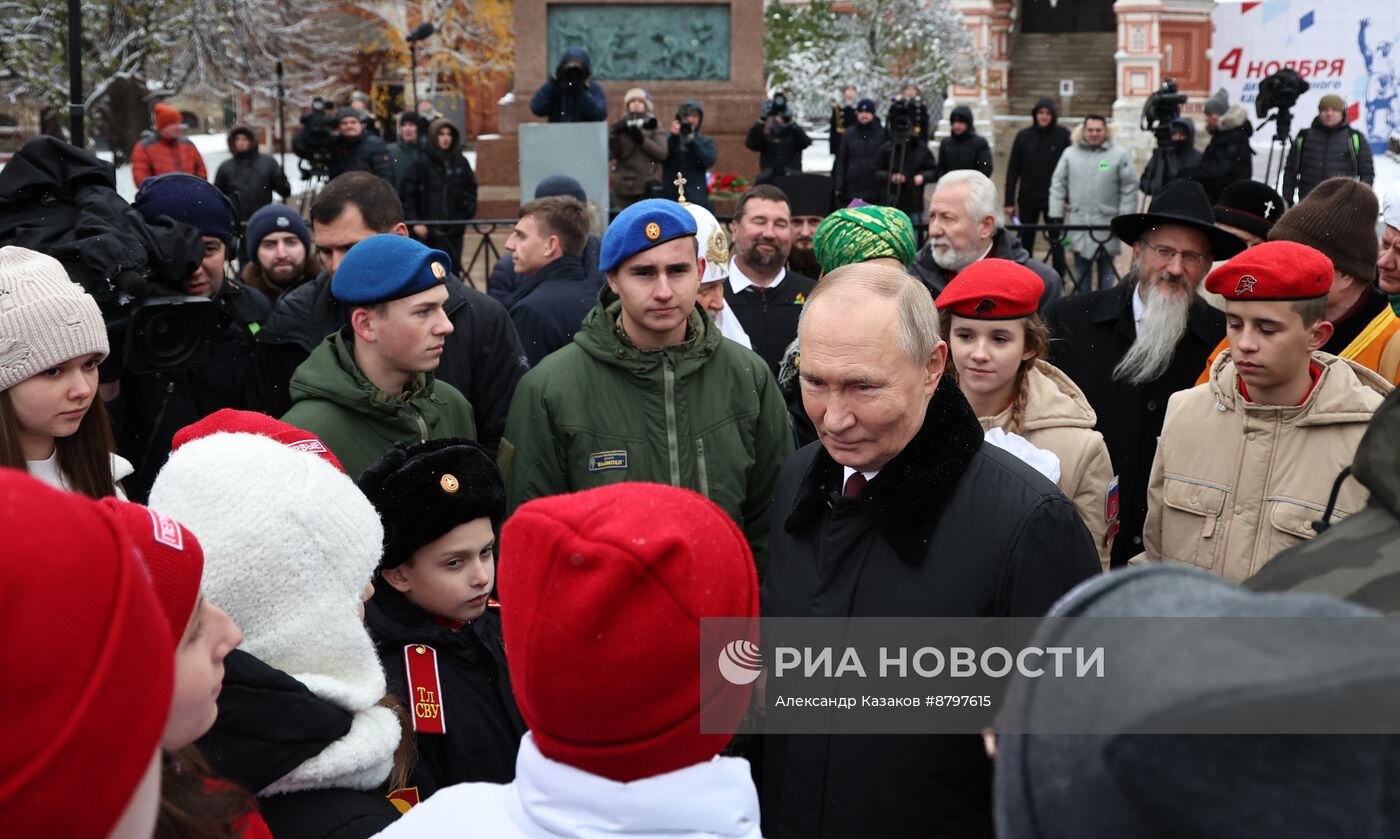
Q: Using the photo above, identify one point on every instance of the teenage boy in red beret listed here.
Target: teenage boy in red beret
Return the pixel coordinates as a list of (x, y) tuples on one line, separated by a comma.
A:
[(1246, 461), (434, 626)]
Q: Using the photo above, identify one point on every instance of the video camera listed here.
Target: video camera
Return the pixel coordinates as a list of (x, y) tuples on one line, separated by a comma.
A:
[(903, 117), (1281, 91), (1163, 106), (641, 122), (316, 143), (775, 107)]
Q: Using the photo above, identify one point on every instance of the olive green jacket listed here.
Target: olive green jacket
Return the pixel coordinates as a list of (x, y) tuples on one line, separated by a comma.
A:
[(357, 421), (706, 415)]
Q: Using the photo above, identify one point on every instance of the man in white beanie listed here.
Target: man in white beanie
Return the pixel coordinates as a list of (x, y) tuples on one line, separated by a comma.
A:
[(637, 148), (290, 546)]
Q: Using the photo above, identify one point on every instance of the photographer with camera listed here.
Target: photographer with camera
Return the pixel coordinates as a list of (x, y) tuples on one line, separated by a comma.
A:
[(1329, 148), (778, 139), (1228, 158), (637, 148), (690, 153), (347, 148), (569, 96), (905, 164)]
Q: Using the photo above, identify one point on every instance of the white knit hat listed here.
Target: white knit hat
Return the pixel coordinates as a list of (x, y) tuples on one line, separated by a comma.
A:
[(713, 242), (290, 573), (45, 317)]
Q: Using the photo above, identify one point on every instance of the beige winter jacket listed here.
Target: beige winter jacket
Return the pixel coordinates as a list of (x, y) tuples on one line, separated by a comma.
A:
[(1059, 420), (1234, 483)]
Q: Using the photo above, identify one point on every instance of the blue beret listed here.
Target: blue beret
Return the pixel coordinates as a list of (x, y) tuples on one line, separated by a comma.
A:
[(641, 227), (387, 267)]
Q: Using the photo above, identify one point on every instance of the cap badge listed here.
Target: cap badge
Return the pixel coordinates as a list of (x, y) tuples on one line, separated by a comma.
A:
[(653, 231), (986, 306), (1246, 285), (438, 270), (449, 484), (1268, 209), (282, 222)]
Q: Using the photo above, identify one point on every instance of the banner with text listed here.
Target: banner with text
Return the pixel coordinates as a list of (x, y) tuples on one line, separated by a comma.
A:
[(1346, 47)]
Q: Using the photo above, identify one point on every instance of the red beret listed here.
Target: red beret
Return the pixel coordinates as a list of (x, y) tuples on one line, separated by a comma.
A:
[(230, 421), (1273, 271), (993, 289)]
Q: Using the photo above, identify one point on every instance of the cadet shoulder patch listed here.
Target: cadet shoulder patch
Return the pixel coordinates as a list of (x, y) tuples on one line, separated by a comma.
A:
[(424, 689), (603, 461)]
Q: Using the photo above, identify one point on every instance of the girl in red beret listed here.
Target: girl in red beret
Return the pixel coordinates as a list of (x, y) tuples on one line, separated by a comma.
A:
[(997, 343)]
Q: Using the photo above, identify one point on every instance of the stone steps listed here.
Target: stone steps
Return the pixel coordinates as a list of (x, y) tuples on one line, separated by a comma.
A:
[(1041, 60)]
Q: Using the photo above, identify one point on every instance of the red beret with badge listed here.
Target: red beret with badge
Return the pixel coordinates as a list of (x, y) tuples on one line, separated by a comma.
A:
[(1278, 270), (992, 289)]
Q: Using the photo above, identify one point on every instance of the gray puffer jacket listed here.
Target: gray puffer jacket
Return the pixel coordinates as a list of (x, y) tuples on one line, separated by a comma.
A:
[(1091, 185)]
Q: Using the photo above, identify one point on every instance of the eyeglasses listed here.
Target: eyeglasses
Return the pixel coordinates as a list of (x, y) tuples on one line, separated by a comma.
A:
[(1168, 253)]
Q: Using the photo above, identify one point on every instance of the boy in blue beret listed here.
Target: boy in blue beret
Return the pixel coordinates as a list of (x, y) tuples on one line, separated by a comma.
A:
[(437, 631), (649, 390), (370, 385)]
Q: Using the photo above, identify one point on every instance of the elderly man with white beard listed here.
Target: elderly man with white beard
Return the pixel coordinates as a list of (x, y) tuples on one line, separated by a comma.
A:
[(965, 225), (1130, 347)]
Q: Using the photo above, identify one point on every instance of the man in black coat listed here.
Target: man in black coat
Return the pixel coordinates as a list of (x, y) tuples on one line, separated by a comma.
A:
[(446, 191), (1130, 347), (890, 515), (963, 227), (1329, 148), (547, 243), (1034, 153), (249, 178), (905, 168), (353, 150), (1228, 158), (778, 139), (764, 295), (964, 148), (504, 282), (859, 155), (482, 358)]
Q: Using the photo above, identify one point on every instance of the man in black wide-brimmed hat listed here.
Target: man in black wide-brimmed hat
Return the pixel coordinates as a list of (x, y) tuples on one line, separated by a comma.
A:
[(1130, 347)]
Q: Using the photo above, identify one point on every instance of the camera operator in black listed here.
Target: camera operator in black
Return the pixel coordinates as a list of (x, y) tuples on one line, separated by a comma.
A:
[(569, 96), (637, 148), (778, 140), (315, 142), (964, 148), (1168, 161), (905, 164), (350, 149), (1228, 158), (690, 153)]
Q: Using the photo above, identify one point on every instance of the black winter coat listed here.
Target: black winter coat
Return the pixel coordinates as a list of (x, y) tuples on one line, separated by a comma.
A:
[(1091, 333), (842, 118), (268, 725), (692, 157), (549, 306), (482, 726), (918, 160), (365, 153), (1004, 246), (1319, 153), (1228, 158), (1034, 153), (967, 150), (504, 284), (770, 315), (249, 179), (558, 102), (853, 173), (949, 528), (151, 407), (483, 357), (779, 148)]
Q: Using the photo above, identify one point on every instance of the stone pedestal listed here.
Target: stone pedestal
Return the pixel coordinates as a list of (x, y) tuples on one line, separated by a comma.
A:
[(731, 105)]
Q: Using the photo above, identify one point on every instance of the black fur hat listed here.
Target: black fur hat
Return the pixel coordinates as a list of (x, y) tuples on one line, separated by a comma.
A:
[(424, 490)]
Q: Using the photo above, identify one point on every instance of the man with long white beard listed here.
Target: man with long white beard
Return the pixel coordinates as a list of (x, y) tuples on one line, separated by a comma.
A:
[(1130, 347)]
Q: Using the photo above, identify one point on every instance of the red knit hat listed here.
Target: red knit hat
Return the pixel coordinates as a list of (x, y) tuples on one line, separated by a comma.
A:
[(172, 556), (602, 593), (166, 116), (992, 289), (88, 681), (229, 421), (1277, 270)]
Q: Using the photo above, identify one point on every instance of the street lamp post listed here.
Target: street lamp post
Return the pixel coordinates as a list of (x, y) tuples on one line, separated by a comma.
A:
[(423, 31)]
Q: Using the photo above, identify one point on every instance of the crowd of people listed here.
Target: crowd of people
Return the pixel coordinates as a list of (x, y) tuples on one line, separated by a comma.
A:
[(390, 555)]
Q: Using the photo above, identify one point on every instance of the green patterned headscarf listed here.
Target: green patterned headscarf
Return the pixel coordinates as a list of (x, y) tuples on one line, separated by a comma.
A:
[(861, 233)]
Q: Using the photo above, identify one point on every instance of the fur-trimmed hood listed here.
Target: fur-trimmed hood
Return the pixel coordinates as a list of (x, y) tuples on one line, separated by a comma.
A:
[(1077, 136), (917, 481), (1234, 118)]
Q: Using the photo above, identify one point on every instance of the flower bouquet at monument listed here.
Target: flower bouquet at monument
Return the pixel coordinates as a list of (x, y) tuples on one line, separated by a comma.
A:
[(724, 186)]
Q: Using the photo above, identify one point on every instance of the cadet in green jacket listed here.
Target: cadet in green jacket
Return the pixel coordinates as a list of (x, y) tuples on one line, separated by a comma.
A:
[(649, 390), (371, 384)]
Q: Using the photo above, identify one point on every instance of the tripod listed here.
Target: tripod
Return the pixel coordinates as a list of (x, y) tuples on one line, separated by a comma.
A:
[(899, 152), (1273, 172), (1158, 173)]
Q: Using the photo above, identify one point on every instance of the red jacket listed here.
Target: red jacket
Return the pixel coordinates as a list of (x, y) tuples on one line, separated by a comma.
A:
[(157, 156)]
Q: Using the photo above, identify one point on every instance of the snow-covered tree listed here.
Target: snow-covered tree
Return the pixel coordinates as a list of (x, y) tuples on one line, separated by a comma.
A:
[(880, 46)]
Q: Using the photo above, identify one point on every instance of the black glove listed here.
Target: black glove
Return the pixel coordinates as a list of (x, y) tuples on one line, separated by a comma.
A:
[(766, 110)]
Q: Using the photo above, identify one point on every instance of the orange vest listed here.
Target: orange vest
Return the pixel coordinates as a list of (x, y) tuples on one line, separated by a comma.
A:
[(1366, 349)]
